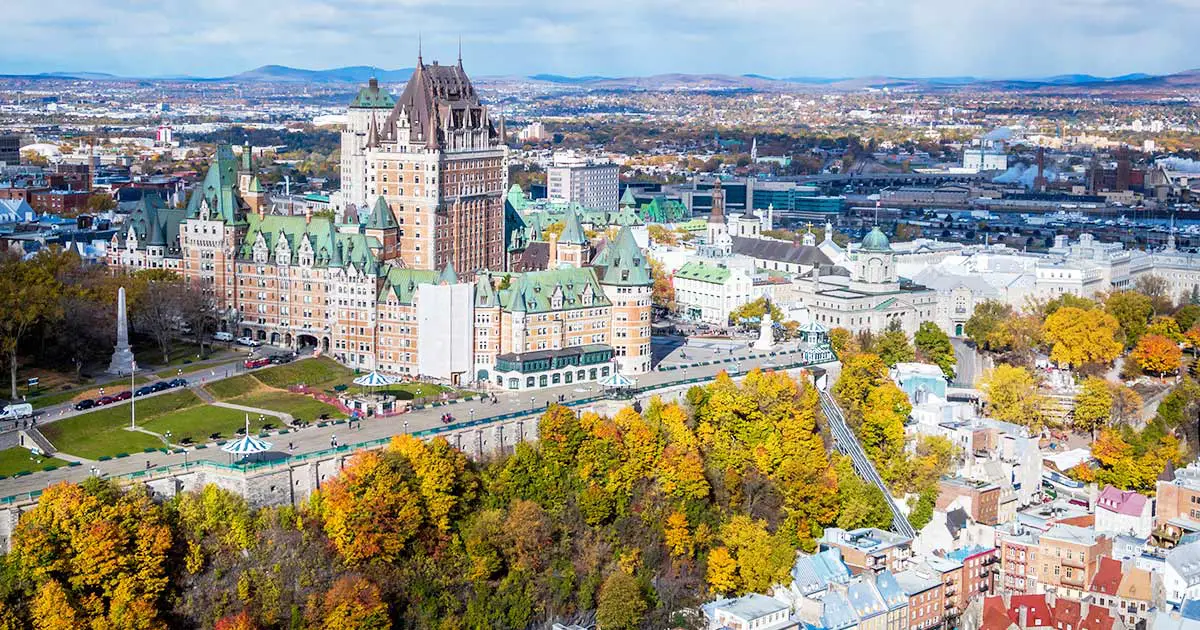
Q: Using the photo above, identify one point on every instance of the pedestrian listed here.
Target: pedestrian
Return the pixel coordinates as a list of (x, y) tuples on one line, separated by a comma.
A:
[(291, 447), (147, 464)]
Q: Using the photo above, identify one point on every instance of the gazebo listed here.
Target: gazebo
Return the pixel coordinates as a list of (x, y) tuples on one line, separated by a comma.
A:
[(247, 444), (369, 404)]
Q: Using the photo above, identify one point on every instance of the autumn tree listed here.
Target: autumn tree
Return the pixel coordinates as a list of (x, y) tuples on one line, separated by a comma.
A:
[(934, 346), (1165, 326), (842, 342), (1080, 337), (1133, 312), (29, 295), (1192, 338), (1127, 404), (753, 311), (1187, 316), (1012, 395), (663, 291), (352, 603), (621, 605), (660, 234), (861, 374), (1093, 406), (881, 431), (104, 549), (721, 572), (1157, 354), (371, 511)]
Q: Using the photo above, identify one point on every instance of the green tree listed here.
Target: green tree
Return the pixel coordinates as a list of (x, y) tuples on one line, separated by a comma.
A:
[(934, 345), (1187, 316), (751, 312), (986, 322), (29, 295), (1165, 326), (1133, 312), (1093, 406), (621, 605), (893, 347), (922, 511)]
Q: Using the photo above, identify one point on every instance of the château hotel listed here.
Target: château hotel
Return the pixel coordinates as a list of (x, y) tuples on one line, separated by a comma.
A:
[(413, 277)]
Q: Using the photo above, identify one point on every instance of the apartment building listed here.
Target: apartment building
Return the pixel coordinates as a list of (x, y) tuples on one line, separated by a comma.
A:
[(577, 179), (1068, 558), (869, 550)]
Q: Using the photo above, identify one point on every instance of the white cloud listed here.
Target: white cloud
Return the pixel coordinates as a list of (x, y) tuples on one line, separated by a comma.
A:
[(614, 37)]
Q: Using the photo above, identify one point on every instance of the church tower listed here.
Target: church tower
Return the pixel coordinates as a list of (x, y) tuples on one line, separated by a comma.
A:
[(718, 242)]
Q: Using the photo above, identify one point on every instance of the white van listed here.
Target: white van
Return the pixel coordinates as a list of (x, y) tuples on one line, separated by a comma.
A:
[(16, 411), (223, 336)]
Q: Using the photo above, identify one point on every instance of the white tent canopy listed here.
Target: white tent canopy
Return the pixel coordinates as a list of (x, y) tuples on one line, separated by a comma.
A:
[(247, 445), (375, 379), (616, 380)]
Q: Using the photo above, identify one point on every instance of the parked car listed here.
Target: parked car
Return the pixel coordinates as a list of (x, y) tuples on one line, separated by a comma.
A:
[(105, 400), (125, 395), (160, 386), (249, 341), (144, 391), (85, 404), (256, 363), (223, 336), (178, 382), (280, 359)]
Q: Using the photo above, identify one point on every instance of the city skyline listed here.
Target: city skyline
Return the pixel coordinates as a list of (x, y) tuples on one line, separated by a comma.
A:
[(925, 38)]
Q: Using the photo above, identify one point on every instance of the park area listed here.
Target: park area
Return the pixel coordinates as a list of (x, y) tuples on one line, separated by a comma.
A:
[(190, 420), (105, 433), (17, 460)]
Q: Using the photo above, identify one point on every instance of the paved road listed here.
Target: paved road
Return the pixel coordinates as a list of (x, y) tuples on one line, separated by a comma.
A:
[(970, 364), (313, 438)]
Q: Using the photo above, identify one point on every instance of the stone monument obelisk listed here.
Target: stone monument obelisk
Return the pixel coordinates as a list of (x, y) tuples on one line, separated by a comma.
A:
[(766, 336), (122, 358)]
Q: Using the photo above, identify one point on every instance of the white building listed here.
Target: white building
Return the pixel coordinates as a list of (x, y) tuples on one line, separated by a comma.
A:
[(748, 612), (983, 159), (1181, 577), (870, 295), (533, 132), (1124, 512), (708, 291), (577, 179)]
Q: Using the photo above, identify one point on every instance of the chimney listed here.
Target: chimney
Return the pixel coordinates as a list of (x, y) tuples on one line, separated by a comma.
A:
[(1023, 617), (1050, 598), (553, 262), (307, 216)]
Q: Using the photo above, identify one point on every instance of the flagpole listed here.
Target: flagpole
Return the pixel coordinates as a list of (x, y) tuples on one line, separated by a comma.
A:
[(132, 397)]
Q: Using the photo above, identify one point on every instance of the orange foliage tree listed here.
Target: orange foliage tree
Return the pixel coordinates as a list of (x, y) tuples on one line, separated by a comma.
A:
[(1157, 354)]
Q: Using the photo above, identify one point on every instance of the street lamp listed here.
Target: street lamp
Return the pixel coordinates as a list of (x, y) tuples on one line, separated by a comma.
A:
[(406, 426), (531, 404), (472, 412)]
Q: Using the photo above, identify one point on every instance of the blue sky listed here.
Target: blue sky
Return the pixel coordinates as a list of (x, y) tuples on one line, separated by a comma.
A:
[(833, 38)]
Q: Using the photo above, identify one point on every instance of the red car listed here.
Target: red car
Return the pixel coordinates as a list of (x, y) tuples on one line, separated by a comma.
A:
[(256, 363), (105, 400), (122, 396)]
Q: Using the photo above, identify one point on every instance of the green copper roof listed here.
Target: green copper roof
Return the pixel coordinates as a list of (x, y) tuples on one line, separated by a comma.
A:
[(551, 290), (572, 233), (624, 263), (698, 270), (627, 215), (255, 185), (373, 97), (876, 241), (218, 190), (381, 216), (627, 197), (448, 275), (663, 210), (402, 283), (330, 248), (485, 295)]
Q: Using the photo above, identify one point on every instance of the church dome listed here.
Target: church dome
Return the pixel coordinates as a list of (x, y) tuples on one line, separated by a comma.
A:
[(876, 241)]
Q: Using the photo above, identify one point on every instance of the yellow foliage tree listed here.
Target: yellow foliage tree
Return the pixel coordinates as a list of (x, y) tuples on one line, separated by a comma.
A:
[(1080, 336), (1012, 395), (371, 511), (722, 572), (677, 536)]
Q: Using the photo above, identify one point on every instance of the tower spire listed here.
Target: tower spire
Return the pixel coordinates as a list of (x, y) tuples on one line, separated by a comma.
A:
[(460, 51), (419, 62)]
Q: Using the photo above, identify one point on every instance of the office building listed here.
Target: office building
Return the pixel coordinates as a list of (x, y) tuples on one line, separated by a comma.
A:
[(577, 179)]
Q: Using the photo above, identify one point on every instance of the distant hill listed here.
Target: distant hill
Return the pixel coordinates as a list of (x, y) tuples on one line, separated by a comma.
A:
[(558, 78), (349, 74)]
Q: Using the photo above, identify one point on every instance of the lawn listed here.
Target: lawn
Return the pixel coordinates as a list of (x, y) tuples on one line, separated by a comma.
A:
[(198, 423), (98, 433), (16, 459), (305, 408), (225, 389), (319, 373), (181, 354)]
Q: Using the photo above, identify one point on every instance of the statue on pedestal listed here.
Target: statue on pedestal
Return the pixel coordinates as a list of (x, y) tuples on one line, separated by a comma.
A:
[(766, 336), (122, 358)]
